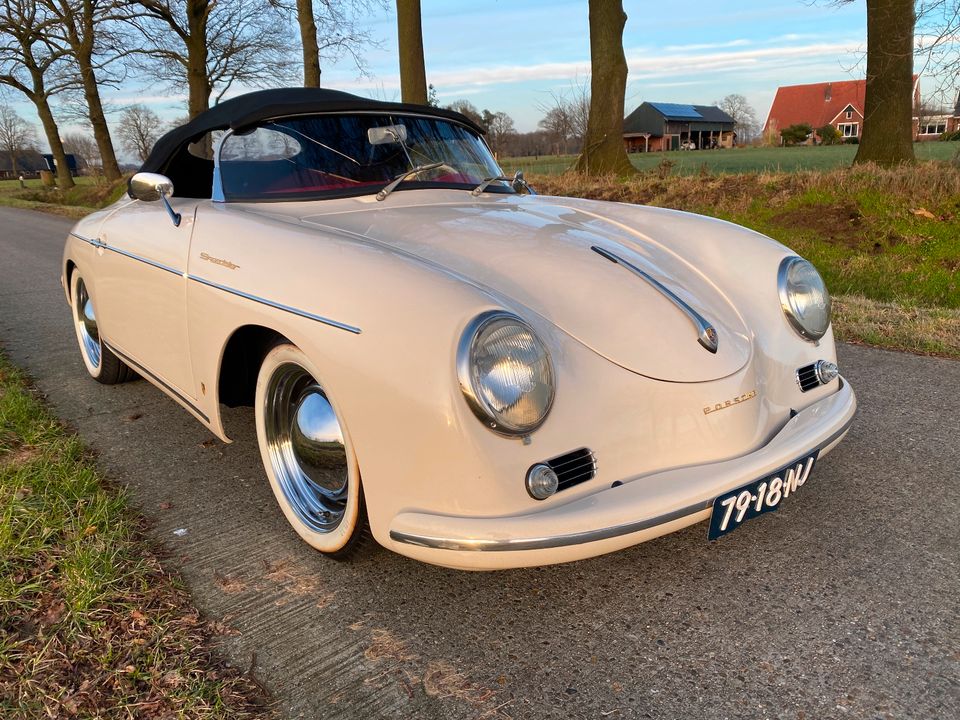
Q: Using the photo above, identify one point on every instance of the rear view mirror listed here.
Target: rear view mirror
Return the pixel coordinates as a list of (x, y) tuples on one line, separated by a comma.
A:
[(150, 187), (387, 134)]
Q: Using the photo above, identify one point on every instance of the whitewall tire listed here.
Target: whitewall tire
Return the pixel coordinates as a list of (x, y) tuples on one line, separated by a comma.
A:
[(101, 363), (307, 454)]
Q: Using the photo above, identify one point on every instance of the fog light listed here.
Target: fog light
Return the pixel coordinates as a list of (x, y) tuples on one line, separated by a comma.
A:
[(826, 371), (541, 481)]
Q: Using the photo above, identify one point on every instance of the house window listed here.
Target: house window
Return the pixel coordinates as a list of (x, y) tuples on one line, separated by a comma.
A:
[(849, 130), (933, 127), (849, 114)]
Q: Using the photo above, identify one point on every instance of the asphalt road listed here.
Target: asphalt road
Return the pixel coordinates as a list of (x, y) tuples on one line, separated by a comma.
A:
[(843, 604)]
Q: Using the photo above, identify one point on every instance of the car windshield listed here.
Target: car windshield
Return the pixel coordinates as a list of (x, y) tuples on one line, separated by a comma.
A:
[(340, 155)]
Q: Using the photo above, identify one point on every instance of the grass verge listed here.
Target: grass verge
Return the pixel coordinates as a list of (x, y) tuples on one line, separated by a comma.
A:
[(87, 196), (887, 241), (90, 623)]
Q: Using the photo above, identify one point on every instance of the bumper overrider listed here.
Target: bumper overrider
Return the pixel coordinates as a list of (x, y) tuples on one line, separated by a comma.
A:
[(639, 509)]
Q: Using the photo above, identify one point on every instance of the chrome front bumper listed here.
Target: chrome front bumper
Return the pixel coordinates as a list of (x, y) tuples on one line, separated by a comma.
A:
[(637, 510)]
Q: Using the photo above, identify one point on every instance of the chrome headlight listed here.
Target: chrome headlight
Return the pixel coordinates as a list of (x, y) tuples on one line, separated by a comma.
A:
[(804, 298), (505, 373)]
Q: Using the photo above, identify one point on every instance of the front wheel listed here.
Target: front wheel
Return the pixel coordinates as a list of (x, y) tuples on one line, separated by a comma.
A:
[(103, 365), (307, 454)]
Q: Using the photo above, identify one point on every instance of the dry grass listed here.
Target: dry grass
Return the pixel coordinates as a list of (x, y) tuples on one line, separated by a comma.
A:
[(933, 183), (926, 331), (91, 624)]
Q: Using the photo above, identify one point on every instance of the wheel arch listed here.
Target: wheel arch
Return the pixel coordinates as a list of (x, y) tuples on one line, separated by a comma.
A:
[(68, 278), (240, 362)]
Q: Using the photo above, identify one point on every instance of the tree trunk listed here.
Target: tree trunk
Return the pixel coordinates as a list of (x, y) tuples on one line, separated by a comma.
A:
[(64, 178), (888, 106), (308, 41), (198, 80), (413, 78), (603, 148), (98, 121)]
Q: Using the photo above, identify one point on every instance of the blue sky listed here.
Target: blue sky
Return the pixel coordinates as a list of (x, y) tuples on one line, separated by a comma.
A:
[(510, 56)]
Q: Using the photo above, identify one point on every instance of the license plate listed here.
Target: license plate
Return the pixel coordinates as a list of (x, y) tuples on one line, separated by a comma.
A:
[(734, 508)]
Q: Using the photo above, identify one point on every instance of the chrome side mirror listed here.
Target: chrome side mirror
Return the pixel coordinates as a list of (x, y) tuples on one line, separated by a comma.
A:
[(151, 187)]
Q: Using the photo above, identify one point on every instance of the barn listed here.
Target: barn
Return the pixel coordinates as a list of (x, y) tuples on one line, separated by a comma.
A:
[(656, 126)]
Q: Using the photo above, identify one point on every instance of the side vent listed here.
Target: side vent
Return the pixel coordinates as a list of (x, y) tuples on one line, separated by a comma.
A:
[(807, 377), (574, 468)]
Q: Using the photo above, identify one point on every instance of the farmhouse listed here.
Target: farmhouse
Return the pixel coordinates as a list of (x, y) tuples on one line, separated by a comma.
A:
[(669, 126), (841, 104), (929, 125)]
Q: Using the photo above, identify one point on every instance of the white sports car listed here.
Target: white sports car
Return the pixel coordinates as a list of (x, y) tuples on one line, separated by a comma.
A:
[(476, 376)]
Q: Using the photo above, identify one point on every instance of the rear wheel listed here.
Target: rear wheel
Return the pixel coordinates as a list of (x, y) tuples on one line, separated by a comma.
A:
[(307, 455), (103, 365)]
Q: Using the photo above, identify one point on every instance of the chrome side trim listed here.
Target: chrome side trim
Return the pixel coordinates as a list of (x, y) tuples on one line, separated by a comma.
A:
[(91, 241), (97, 243), (544, 543), (276, 305), (167, 388), (147, 261), (588, 536), (217, 286), (706, 333)]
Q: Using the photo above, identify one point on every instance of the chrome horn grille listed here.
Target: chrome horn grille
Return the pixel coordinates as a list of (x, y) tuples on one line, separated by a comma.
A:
[(573, 468)]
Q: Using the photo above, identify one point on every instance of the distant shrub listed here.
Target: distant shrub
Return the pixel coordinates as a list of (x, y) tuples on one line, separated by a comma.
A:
[(852, 141), (829, 135), (796, 134), (950, 136), (665, 168)]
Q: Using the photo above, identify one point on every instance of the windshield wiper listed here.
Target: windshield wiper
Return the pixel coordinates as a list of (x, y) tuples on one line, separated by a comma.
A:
[(516, 182), (412, 172)]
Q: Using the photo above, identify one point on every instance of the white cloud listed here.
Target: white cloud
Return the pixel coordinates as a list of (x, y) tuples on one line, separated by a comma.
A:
[(707, 46), (645, 64)]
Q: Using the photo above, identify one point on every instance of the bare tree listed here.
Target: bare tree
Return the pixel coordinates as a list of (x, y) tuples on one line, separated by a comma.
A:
[(16, 135), (211, 44), (556, 124), (887, 137), (32, 65), (499, 129), (888, 103), (413, 77), (84, 148), (331, 30), (938, 47), (139, 128), (603, 149), (743, 114), (566, 117), (86, 32), (467, 108)]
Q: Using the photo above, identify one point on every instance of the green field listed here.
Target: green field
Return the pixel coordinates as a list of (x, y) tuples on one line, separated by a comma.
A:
[(738, 160)]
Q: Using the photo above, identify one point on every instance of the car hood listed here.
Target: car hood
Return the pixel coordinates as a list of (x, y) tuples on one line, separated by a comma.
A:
[(538, 252)]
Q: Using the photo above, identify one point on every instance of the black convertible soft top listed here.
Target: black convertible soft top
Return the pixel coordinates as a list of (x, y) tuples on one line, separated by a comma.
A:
[(251, 108)]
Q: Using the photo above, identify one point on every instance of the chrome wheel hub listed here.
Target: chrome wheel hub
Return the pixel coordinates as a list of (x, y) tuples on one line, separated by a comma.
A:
[(87, 324), (306, 448)]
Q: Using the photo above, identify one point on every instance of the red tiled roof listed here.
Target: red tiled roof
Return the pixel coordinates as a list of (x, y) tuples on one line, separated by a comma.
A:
[(815, 104), (795, 104)]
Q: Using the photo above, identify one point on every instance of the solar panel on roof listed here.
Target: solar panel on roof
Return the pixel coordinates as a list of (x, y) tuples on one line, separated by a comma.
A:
[(675, 110)]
